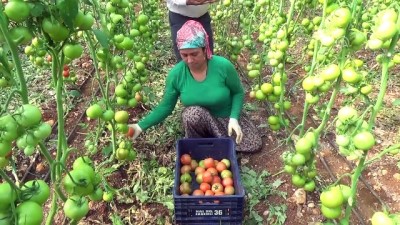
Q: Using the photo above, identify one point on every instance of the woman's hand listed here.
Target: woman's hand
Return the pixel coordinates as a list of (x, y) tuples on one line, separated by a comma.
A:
[(136, 130), (234, 125)]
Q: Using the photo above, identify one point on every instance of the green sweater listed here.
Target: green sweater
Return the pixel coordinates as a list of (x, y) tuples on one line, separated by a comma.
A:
[(221, 92)]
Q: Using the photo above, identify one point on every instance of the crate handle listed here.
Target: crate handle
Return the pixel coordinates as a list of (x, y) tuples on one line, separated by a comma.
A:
[(206, 145), (208, 203)]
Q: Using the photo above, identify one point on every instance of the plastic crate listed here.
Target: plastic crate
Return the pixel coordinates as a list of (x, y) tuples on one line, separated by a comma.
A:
[(225, 210)]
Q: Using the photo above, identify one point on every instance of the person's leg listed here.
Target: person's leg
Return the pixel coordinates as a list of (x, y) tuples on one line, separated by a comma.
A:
[(176, 21), (205, 21), (251, 141), (199, 123)]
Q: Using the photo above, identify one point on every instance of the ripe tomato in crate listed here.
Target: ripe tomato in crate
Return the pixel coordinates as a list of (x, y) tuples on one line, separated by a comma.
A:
[(216, 209)]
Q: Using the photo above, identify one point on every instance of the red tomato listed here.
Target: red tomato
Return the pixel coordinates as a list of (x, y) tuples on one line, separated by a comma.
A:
[(186, 159), (131, 132), (199, 170), (205, 186), (208, 193), (186, 169), (207, 177), (221, 166), (213, 171), (193, 164), (198, 192), (216, 179), (229, 190), (227, 181), (217, 187), (209, 162), (66, 73)]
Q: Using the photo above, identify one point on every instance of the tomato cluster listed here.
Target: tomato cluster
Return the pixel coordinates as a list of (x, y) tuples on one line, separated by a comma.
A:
[(28, 202), (212, 177), (79, 183), (353, 135), (69, 76), (25, 127), (384, 29), (125, 151), (36, 52), (128, 91), (301, 165), (333, 199)]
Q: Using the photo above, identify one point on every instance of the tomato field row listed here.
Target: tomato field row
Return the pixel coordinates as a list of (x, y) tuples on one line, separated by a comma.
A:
[(313, 70)]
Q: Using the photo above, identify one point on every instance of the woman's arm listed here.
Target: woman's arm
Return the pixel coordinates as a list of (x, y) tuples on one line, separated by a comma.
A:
[(235, 86), (164, 108)]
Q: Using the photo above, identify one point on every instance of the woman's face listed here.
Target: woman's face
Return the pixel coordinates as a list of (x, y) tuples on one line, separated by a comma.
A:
[(193, 57)]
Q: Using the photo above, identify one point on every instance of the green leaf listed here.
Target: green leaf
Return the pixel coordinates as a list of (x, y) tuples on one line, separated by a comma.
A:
[(102, 38), (116, 220), (87, 2), (37, 9), (75, 93), (396, 102), (68, 11), (107, 150)]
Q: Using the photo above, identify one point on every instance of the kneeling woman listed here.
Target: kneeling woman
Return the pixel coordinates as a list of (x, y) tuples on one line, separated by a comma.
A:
[(209, 89)]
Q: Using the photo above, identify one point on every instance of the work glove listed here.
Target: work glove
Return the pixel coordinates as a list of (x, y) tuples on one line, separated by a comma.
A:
[(136, 130), (234, 125)]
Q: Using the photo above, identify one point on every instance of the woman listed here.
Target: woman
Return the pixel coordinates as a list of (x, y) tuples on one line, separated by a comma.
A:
[(181, 11), (210, 90)]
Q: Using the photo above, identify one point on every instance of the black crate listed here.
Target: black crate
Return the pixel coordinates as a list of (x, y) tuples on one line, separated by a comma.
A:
[(210, 210)]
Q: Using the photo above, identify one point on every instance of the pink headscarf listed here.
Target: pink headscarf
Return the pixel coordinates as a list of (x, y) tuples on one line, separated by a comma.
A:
[(193, 35)]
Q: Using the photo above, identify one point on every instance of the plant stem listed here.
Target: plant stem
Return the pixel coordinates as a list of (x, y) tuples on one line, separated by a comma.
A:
[(16, 59), (382, 153), (8, 180), (9, 98)]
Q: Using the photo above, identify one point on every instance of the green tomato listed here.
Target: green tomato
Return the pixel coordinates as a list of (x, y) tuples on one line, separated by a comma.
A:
[(17, 11), (94, 111), (347, 114), (7, 196), (121, 116), (331, 213), (35, 190), (20, 35), (332, 198), (97, 195), (381, 218), (42, 131), (5, 148), (29, 213), (108, 115), (76, 207), (346, 191), (364, 140), (5, 218), (298, 181), (73, 51), (331, 72), (309, 186), (341, 17), (303, 146), (83, 182), (82, 160), (28, 115), (108, 196)]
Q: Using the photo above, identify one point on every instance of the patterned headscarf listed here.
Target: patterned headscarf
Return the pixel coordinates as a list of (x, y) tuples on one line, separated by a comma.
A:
[(193, 35)]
